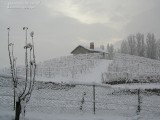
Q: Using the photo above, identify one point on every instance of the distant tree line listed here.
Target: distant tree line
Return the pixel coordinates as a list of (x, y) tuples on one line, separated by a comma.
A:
[(140, 45), (110, 50)]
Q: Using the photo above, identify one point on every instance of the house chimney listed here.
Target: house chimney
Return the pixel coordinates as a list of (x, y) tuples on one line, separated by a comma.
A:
[(92, 45)]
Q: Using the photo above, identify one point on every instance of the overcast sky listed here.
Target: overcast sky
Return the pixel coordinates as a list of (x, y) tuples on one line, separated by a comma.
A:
[(61, 25)]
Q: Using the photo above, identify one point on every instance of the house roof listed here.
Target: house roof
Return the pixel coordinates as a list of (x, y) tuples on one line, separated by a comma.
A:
[(87, 48)]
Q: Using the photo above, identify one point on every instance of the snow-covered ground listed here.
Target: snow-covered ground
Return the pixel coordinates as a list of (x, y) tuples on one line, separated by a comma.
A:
[(9, 115), (82, 68), (91, 76), (61, 101), (130, 68), (138, 86), (91, 68)]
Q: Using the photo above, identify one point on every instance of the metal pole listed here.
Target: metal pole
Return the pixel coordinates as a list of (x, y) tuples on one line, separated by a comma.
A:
[(139, 102), (94, 108)]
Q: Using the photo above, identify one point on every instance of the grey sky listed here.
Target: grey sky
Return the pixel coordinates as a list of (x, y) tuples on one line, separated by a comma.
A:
[(61, 25)]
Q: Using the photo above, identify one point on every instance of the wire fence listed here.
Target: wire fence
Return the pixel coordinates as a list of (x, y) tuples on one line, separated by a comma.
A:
[(84, 98)]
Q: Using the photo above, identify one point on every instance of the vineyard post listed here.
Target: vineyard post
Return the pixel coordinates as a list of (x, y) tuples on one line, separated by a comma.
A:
[(94, 106)]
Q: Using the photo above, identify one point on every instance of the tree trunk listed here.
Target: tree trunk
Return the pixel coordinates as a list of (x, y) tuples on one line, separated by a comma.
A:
[(18, 110)]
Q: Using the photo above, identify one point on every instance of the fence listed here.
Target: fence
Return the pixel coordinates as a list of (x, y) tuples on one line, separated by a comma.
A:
[(83, 98)]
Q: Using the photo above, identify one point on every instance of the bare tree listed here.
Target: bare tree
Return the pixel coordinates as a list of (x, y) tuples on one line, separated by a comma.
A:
[(140, 44), (158, 49), (132, 45), (151, 46), (124, 47), (110, 49), (137, 45), (23, 91), (12, 65), (129, 46)]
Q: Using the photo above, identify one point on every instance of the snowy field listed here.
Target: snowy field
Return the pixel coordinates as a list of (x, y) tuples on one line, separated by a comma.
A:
[(89, 68), (131, 68), (71, 76), (61, 102), (83, 68), (9, 115)]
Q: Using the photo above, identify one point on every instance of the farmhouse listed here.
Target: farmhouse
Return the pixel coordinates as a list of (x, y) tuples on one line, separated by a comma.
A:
[(86, 50)]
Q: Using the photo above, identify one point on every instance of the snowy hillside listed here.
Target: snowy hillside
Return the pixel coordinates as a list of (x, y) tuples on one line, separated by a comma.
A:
[(89, 68), (109, 102), (80, 68), (129, 68)]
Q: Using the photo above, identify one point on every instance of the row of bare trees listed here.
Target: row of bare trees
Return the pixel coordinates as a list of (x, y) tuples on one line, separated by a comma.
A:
[(110, 50), (142, 46), (22, 92)]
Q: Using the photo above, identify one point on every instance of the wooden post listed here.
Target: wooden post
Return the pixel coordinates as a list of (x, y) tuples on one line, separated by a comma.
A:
[(139, 102), (94, 107)]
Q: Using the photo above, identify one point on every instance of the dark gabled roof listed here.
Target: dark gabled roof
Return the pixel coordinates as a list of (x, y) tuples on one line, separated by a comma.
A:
[(93, 50)]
